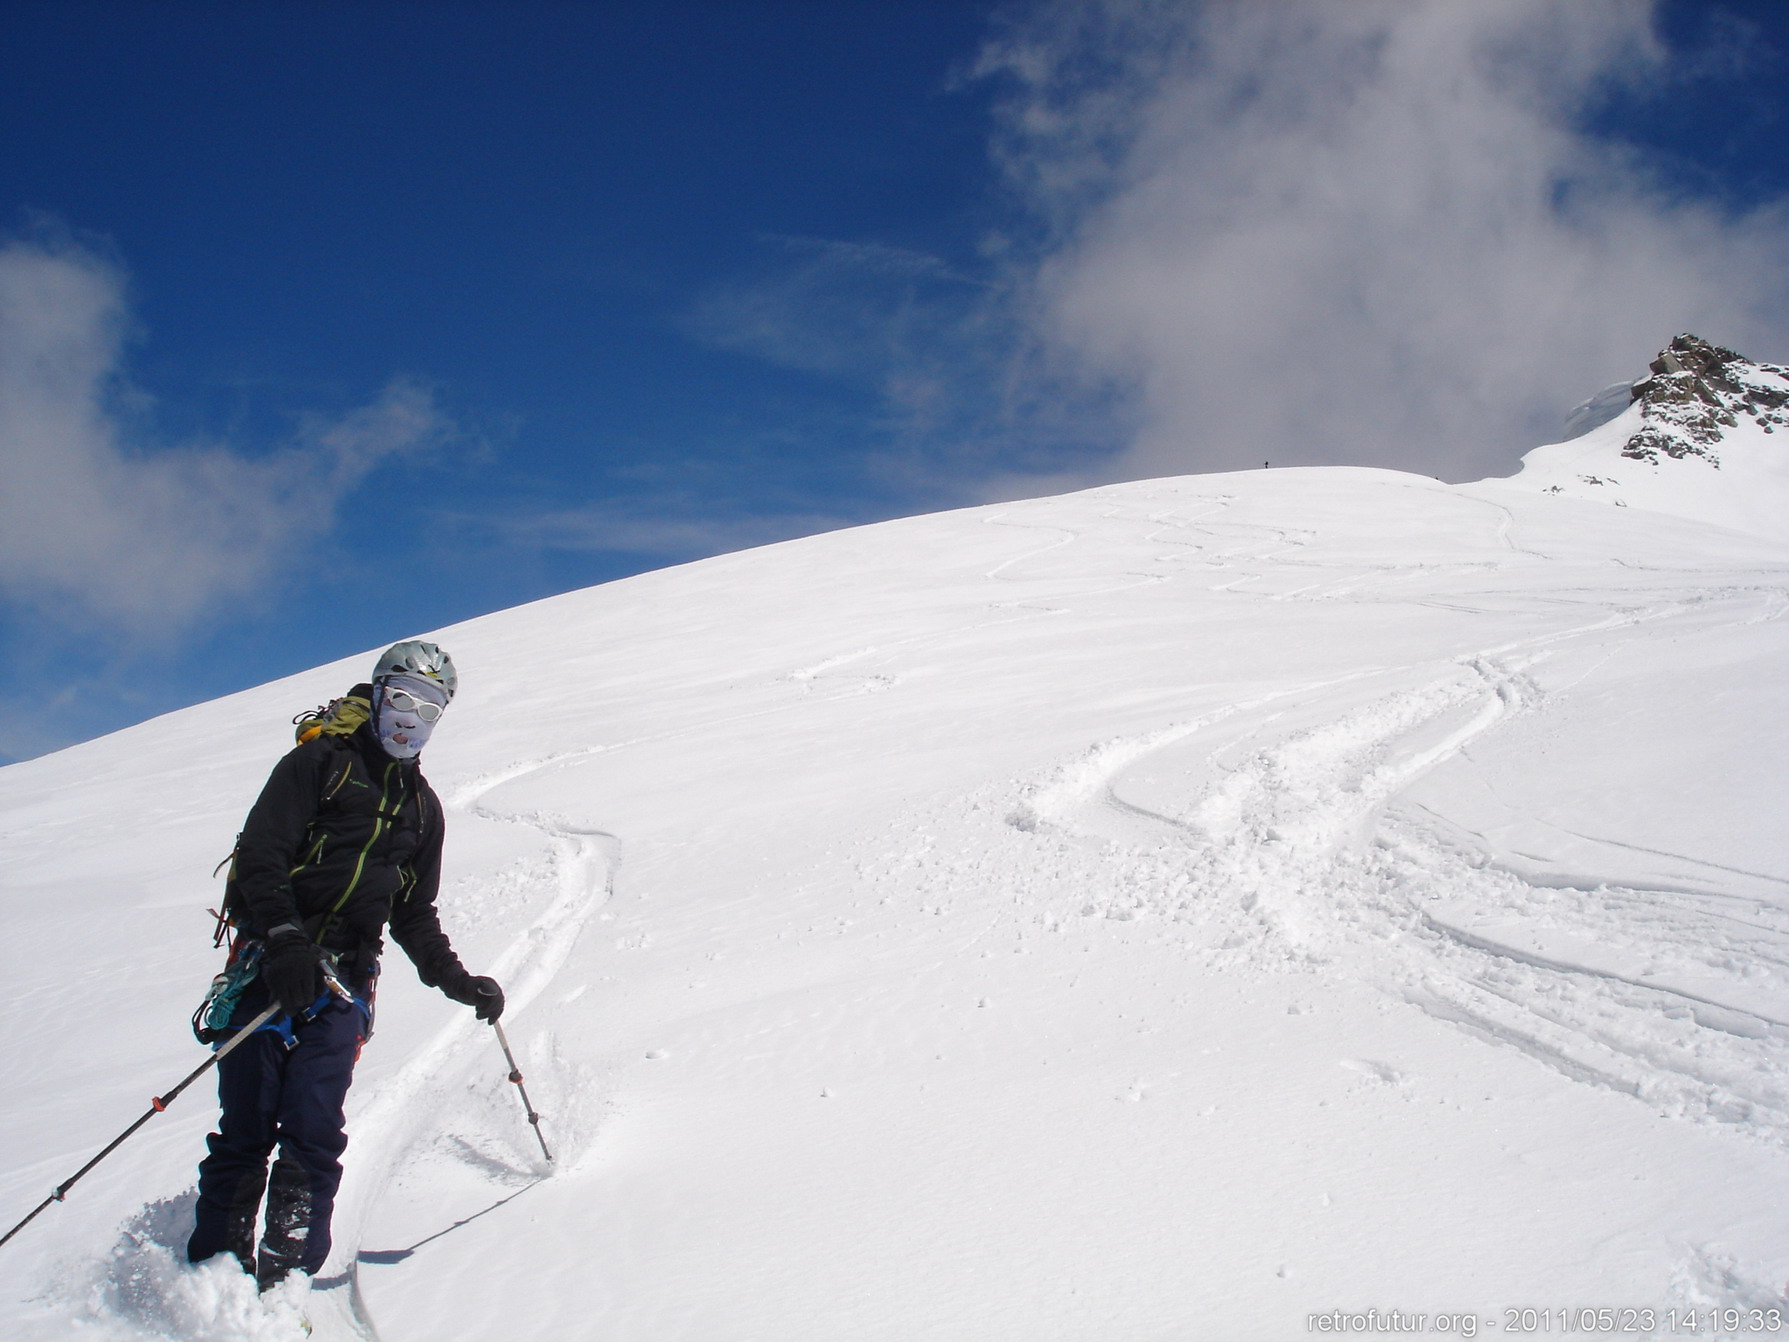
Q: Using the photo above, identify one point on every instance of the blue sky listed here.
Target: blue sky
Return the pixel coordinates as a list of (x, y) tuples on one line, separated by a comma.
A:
[(322, 324)]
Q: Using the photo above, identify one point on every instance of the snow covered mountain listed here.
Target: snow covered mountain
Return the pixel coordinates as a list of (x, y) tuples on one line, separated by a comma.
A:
[(1181, 909), (1695, 440)]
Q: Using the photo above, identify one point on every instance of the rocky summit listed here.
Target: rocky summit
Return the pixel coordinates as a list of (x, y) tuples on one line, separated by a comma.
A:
[(1696, 440), (1698, 391)]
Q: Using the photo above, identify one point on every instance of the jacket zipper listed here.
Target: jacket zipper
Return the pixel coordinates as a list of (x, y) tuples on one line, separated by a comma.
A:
[(342, 777), (310, 857)]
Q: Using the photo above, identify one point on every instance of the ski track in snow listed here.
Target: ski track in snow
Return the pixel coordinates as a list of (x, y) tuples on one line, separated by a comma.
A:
[(1072, 590), (392, 1127), (1302, 855), (807, 676)]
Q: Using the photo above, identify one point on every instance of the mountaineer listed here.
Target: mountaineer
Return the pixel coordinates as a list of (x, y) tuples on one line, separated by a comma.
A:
[(344, 842)]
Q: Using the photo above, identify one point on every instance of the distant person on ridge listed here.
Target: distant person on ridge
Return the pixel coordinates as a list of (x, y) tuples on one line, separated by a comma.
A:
[(344, 841)]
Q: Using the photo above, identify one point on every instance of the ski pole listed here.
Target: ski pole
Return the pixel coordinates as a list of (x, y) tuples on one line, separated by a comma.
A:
[(156, 1105), (515, 1075)]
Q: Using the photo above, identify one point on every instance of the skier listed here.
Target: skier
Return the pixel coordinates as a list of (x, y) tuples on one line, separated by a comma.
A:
[(344, 841)]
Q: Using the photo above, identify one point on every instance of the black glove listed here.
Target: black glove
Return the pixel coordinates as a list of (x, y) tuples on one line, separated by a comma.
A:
[(290, 971), (476, 991)]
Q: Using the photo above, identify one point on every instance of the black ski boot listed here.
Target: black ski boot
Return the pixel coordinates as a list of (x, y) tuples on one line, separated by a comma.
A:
[(238, 1227), (288, 1223), (242, 1238)]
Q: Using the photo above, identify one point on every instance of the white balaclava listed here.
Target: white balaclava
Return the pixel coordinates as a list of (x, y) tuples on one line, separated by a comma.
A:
[(402, 731)]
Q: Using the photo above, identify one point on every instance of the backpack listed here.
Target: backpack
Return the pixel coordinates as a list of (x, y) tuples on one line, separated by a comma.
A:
[(338, 717)]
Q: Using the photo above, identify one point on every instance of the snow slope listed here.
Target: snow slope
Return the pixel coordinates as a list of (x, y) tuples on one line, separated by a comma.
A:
[(1166, 911)]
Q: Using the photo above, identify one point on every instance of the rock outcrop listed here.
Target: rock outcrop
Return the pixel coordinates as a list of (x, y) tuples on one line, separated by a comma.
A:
[(1697, 392), (1697, 440)]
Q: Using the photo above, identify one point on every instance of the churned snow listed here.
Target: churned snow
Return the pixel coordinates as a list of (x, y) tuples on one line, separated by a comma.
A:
[(1184, 909)]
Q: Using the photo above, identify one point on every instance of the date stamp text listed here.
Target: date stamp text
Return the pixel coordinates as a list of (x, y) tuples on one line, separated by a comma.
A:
[(1554, 1321)]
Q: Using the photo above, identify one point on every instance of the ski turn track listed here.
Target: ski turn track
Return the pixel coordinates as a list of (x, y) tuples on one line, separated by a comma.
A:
[(1299, 855), (397, 1120)]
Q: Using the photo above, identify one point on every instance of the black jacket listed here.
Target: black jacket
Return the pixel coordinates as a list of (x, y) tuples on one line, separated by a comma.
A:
[(343, 841)]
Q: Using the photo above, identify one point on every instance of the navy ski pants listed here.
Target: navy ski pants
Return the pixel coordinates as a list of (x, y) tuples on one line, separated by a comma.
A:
[(289, 1097)]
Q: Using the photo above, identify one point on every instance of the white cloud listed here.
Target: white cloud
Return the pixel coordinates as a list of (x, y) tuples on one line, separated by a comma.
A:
[(1370, 232), (849, 309), (662, 527), (98, 529), (937, 349)]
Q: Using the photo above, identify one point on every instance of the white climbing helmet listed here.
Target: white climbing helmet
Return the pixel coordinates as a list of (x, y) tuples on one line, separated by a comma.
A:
[(413, 657)]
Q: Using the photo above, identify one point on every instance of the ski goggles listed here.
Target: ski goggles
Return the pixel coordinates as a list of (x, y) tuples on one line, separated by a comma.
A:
[(403, 701)]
